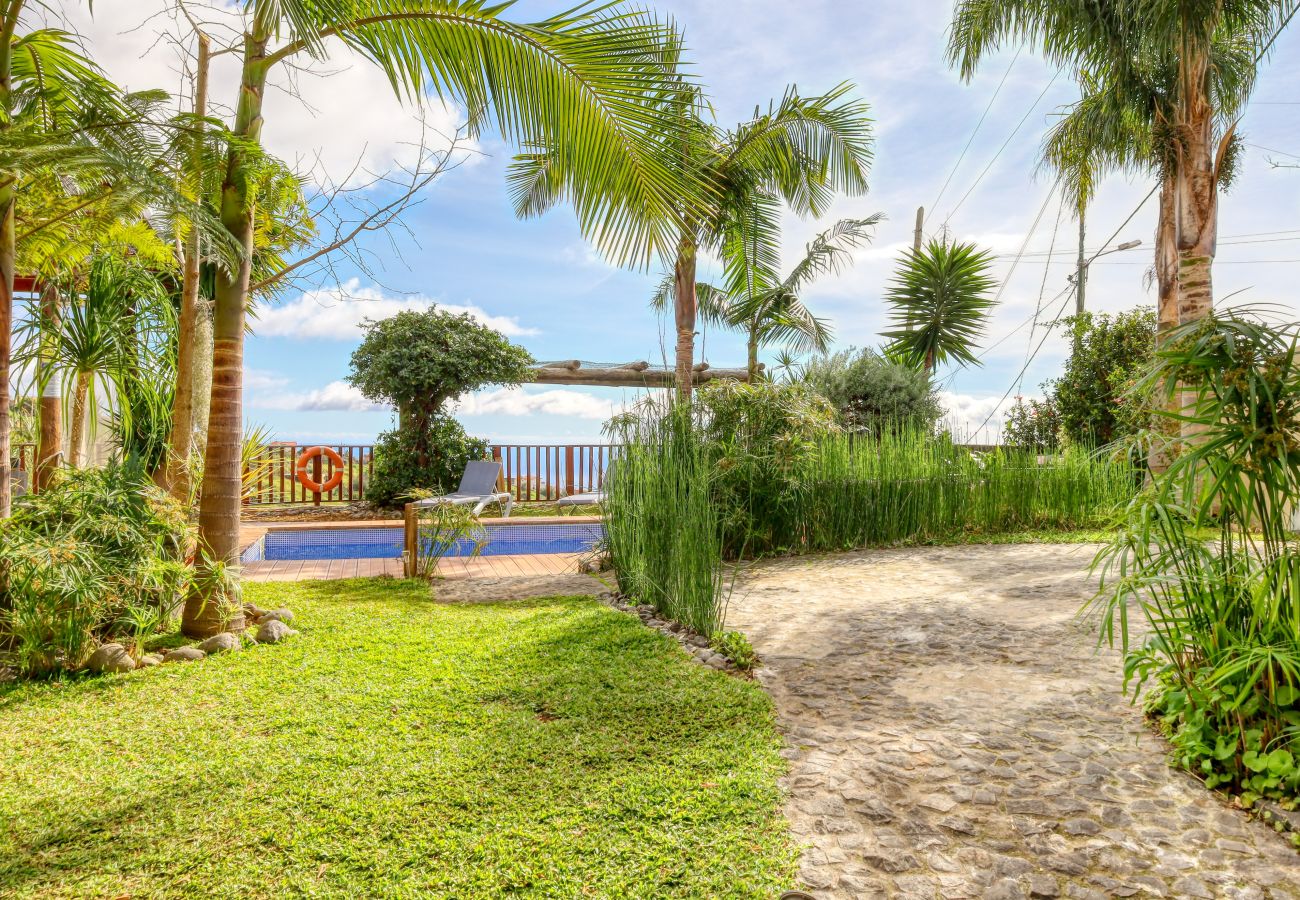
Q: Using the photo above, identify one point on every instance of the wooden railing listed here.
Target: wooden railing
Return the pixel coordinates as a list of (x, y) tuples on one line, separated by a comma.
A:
[(273, 479), (531, 473)]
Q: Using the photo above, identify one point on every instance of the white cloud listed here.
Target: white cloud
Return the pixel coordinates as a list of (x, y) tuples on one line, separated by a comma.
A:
[(262, 380), (518, 402), (339, 396), (336, 314), (975, 419), (338, 112)]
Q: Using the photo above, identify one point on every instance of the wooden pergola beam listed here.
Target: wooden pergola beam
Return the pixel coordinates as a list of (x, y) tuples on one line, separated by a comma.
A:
[(634, 374)]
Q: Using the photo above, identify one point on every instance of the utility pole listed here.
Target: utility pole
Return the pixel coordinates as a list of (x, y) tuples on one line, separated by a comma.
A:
[(1081, 275), (916, 232)]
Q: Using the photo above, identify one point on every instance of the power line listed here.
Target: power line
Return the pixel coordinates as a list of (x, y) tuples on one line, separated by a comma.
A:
[(935, 205), (1014, 132)]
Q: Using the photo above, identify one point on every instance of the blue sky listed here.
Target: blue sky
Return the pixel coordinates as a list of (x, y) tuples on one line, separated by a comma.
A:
[(542, 284)]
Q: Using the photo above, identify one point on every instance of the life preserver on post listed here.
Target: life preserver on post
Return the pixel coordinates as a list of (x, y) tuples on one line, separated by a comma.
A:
[(310, 483)]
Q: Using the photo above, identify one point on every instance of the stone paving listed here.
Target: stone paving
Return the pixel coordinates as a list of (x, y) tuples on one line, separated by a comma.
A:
[(954, 732)]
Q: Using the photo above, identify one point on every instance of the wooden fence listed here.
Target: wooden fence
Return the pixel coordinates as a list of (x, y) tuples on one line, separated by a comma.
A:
[(531, 473)]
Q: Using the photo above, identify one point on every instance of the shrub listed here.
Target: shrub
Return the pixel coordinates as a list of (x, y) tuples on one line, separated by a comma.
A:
[(871, 393), (737, 648), (1223, 644), (420, 362), (408, 462), (757, 439), (1033, 425), (1093, 398), (100, 554)]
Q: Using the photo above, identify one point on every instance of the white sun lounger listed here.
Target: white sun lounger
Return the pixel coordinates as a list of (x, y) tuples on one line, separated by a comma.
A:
[(478, 486)]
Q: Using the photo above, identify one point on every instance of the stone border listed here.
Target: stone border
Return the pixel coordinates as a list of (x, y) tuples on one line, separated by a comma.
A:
[(694, 643)]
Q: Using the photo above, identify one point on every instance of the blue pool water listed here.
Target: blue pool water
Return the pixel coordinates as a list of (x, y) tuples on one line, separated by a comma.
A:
[(386, 543)]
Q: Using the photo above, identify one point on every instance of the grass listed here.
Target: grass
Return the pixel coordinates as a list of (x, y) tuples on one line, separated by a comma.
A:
[(399, 748)]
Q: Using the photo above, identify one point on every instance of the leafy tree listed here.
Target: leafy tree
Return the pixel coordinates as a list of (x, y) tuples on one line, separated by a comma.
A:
[(941, 304), (420, 362), (1033, 425), (575, 86), (801, 151), (872, 393), (766, 307), (1094, 398)]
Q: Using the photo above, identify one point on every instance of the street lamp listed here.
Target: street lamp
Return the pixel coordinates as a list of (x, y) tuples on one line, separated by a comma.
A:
[(1081, 275)]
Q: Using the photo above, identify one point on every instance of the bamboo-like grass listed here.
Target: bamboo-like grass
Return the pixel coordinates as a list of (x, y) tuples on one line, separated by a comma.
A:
[(679, 502)]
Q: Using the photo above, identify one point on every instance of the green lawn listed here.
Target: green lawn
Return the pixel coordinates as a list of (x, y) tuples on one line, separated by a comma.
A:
[(397, 748)]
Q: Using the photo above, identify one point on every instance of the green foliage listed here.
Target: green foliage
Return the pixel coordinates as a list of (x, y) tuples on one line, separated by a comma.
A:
[(1033, 425), (419, 362), (940, 305), (92, 557), (737, 648), (1223, 615), (1094, 399), (442, 529), (873, 393), (144, 430), (661, 525), (478, 727), (758, 439), (752, 470), (408, 462)]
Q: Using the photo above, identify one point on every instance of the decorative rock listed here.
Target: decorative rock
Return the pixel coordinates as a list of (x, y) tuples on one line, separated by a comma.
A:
[(1043, 886), (276, 615), (110, 658), (184, 654), (272, 631), (220, 643), (253, 612), (149, 660)]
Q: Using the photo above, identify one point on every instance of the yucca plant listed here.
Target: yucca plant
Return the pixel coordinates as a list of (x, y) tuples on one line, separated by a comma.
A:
[(941, 302), (1222, 616)]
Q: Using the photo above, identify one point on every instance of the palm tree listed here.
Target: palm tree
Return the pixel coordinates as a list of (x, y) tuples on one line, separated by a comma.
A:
[(769, 309), (941, 305), (574, 86), (801, 151), (112, 332), (1183, 68)]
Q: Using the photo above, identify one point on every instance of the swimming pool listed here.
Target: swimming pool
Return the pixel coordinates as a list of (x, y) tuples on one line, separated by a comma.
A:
[(387, 542)]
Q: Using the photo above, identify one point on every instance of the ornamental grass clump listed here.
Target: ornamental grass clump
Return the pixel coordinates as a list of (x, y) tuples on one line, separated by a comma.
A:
[(100, 554), (661, 524), (1217, 634)]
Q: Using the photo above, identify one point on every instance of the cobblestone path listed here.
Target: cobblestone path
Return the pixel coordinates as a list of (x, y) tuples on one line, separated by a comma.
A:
[(953, 732)]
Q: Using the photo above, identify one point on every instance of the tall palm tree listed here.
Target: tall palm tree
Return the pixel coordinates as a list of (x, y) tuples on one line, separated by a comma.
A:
[(574, 86), (1195, 62), (768, 308), (941, 304), (801, 151)]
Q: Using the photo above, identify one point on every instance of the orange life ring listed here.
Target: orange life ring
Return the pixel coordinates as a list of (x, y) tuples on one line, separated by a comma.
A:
[(311, 484)]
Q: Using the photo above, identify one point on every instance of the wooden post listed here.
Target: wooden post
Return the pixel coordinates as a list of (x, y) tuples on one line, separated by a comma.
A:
[(916, 232), (316, 476), (410, 562), (568, 470)]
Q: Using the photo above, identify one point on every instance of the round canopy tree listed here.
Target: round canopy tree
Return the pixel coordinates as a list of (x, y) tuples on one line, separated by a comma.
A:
[(420, 362)]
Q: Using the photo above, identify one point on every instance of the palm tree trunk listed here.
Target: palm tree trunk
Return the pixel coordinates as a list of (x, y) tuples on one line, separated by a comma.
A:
[(7, 260), (1166, 269), (177, 477), (752, 347), (1197, 223), (684, 315), (50, 441), (77, 439), (208, 610)]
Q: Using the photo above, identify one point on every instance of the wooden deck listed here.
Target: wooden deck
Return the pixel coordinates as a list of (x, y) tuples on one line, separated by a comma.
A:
[(453, 569)]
